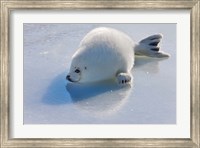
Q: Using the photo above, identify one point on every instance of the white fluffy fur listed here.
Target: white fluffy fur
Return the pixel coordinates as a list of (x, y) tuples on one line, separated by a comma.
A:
[(104, 53)]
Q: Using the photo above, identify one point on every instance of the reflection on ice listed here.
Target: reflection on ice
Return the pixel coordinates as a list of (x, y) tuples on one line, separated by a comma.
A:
[(80, 92), (148, 64), (103, 98), (97, 98)]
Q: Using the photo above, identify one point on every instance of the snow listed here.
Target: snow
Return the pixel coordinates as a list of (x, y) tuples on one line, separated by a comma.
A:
[(50, 99)]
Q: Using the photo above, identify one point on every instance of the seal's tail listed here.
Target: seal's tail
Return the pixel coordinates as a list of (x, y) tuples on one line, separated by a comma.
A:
[(149, 47)]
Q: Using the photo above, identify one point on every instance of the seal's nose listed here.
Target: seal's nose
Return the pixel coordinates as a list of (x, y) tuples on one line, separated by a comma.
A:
[(68, 77)]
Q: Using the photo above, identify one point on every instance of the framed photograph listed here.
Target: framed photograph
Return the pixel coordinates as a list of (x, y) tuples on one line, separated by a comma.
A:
[(100, 73)]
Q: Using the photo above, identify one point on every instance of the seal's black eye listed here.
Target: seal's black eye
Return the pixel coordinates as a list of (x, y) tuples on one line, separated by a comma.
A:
[(77, 71)]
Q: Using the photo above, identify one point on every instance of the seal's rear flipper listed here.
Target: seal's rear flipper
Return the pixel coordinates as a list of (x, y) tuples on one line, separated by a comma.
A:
[(149, 47)]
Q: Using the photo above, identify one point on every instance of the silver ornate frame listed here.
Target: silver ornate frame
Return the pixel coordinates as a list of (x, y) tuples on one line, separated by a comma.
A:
[(193, 5)]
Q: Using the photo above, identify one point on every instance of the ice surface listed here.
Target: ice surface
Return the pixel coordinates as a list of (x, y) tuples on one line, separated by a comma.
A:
[(50, 99)]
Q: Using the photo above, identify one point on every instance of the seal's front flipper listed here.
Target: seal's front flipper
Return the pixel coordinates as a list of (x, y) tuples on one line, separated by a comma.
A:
[(123, 78), (149, 47)]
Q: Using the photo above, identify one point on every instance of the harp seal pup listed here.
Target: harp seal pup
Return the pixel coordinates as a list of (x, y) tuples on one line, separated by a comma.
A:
[(108, 54)]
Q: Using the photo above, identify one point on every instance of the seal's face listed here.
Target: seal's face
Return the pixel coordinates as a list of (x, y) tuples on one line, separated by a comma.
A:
[(77, 72), (74, 74)]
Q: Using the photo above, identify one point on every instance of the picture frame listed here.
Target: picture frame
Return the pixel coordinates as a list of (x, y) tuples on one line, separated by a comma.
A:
[(8, 6)]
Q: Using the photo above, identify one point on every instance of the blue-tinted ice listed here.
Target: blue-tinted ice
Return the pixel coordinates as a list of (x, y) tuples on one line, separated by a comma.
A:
[(50, 99)]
